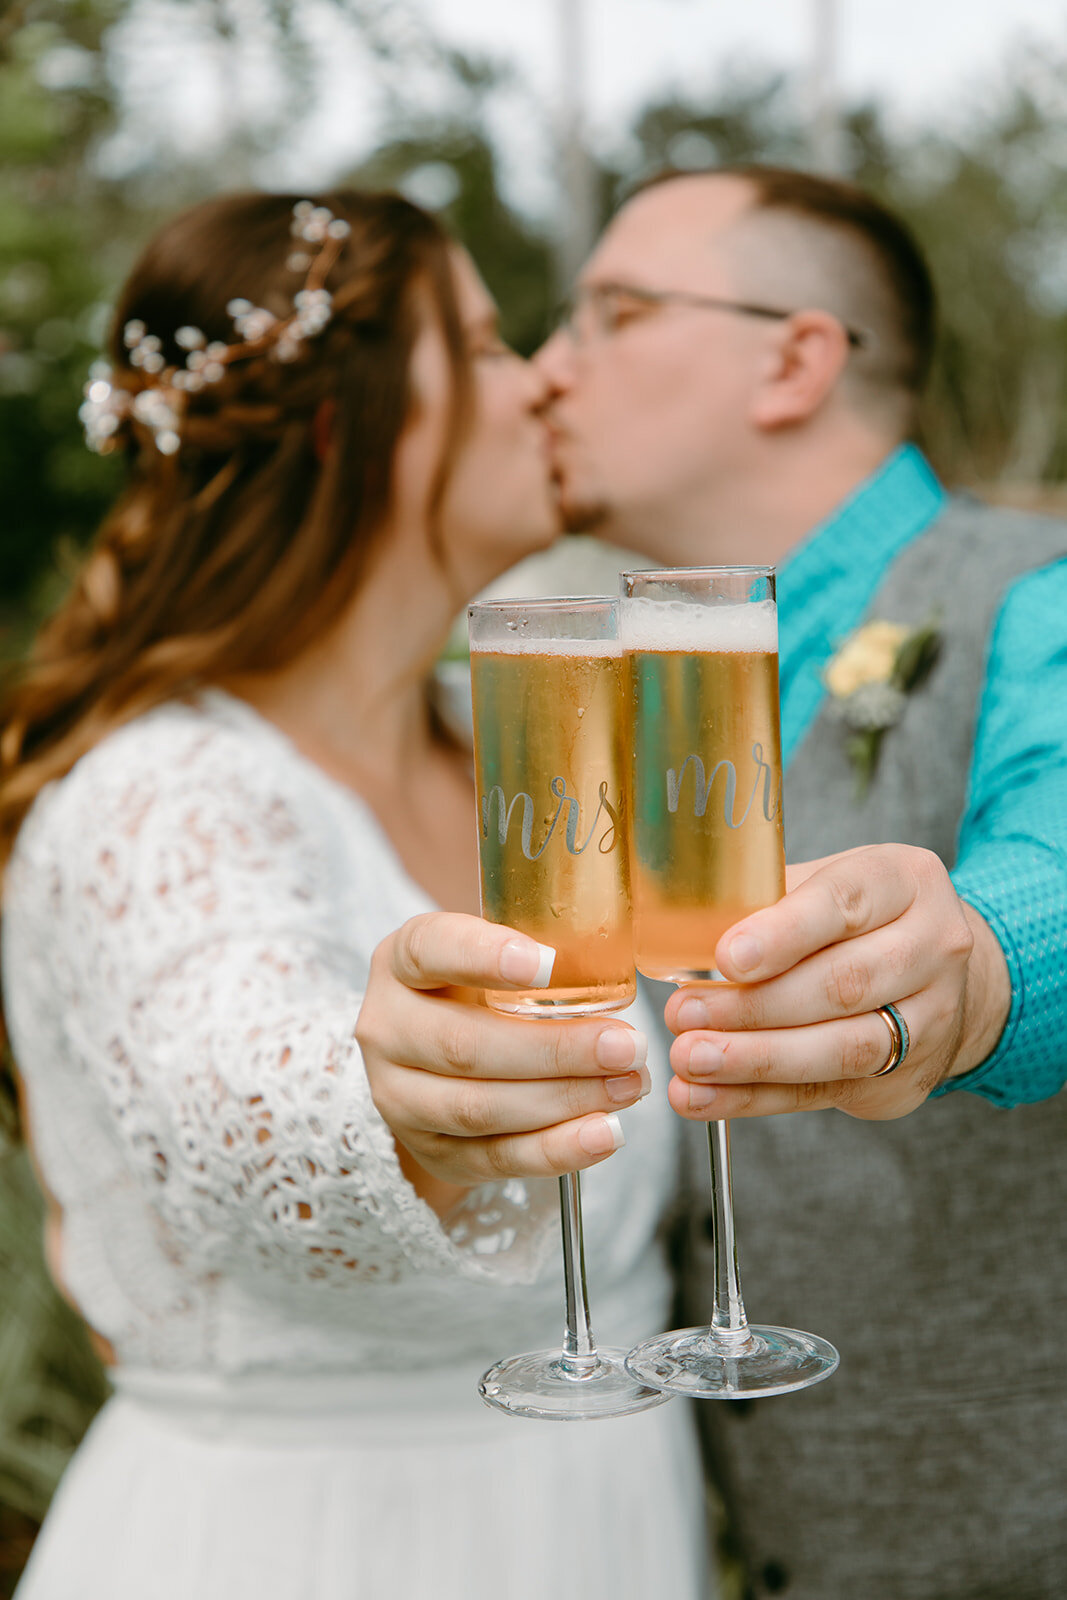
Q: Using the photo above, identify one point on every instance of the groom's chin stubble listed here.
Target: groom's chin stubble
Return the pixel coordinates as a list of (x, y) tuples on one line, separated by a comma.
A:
[(585, 516)]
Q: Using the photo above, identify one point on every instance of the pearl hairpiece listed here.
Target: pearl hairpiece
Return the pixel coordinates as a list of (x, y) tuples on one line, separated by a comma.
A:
[(159, 406)]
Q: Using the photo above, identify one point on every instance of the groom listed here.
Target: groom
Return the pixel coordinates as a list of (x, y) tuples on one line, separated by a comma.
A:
[(738, 383)]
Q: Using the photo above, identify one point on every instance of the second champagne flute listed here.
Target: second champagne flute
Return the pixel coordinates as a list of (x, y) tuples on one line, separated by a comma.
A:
[(547, 681), (707, 849)]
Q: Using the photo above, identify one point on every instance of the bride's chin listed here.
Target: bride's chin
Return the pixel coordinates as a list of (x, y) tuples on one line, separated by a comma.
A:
[(500, 559), (538, 534), (541, 539), (553, 526), (552, 531)]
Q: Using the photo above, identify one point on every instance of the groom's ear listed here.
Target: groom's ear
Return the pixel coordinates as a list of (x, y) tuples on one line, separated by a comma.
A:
[(804, 364)]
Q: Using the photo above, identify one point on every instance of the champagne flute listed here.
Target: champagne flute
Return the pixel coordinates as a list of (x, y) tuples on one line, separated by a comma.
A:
[(547, 684), (707, 848)]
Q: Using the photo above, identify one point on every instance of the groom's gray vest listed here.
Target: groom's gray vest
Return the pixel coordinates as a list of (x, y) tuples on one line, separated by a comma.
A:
[(933, 1464)]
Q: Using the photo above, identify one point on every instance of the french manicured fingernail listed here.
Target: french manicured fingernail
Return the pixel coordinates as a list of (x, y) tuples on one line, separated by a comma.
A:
[(598, 1136), (701, 1096), (705, 1060), (619, 1048), (746, 953), (526, 961), (634, 1086), (692, 1013)]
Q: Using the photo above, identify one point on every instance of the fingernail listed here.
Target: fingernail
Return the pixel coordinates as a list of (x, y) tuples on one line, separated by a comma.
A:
[(705, 1059), (692, 1013), (701, 1096), (600, 1135), (746, 952), (617, 1048), (526, 961), (634, 1086)]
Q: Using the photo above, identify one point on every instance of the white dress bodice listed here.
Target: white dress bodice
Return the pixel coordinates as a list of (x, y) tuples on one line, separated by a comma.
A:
[(189, 919)]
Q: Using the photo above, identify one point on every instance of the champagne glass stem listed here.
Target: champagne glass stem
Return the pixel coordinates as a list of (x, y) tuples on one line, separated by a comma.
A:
[(728, 1320), (578, 1357)]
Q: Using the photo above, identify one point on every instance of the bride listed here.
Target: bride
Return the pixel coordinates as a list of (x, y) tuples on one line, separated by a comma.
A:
[(301, 1183)]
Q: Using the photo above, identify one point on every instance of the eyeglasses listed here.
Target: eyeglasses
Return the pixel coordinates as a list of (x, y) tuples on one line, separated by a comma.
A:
[(599, 310)]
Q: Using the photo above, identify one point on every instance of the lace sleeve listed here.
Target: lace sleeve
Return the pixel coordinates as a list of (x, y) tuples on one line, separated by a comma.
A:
[(212, 974)]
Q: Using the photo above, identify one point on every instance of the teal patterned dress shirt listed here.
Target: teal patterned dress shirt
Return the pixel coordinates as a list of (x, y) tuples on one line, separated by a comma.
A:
[(1012, 860)]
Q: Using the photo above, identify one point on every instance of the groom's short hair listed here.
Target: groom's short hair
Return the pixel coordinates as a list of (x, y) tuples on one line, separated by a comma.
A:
[(835, 244)]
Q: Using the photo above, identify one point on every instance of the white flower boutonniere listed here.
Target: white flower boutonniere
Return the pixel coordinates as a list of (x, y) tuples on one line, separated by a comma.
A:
[(870, 679)]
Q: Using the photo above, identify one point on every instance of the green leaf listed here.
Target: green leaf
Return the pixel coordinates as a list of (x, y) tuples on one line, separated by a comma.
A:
[(916, 657), (862, 749)]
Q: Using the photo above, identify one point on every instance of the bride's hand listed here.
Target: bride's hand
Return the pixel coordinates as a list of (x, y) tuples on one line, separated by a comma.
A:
[(475, 1096)]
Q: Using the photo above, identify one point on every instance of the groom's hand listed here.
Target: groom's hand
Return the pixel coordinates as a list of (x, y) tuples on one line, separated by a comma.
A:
[(796, 1028)]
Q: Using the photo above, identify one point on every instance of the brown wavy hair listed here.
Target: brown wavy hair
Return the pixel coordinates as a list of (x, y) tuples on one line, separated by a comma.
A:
[(234, 553)]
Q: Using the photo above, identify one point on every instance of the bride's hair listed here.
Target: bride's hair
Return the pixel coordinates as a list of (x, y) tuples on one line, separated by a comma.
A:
[(237, 541)]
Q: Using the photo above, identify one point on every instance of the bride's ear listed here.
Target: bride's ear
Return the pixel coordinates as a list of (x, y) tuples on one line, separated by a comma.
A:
[(322, 428)]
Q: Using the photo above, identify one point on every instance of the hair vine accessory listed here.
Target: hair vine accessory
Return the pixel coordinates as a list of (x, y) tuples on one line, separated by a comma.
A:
[(160, 404)]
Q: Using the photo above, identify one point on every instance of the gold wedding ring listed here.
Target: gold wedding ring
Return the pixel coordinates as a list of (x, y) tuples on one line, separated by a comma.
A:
[(899, 1038)]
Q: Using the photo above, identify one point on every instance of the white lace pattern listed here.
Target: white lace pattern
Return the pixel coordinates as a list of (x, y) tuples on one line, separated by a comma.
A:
[(188, 924)]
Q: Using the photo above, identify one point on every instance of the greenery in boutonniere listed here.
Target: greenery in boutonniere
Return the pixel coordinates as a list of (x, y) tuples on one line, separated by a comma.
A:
[(870, 679)]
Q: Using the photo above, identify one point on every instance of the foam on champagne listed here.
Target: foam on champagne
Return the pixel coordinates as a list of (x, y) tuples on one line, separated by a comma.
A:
[(519, 645), (750, 628)]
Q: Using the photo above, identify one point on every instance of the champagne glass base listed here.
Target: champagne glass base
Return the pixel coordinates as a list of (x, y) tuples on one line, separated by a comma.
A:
[(538, 1385), (678, 975), (707, 1366), (561, 1002)]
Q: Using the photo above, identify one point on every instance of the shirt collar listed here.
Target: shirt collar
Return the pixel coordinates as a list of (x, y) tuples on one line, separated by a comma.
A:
[(828, 582), (870, 527)]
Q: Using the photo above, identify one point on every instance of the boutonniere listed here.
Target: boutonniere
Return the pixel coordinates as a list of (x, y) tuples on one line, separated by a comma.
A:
[(870, 679)]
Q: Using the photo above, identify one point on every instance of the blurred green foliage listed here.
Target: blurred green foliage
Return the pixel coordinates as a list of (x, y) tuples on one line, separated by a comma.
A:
[(58, 225), (457, 162), (989, 203), (51, 1383)]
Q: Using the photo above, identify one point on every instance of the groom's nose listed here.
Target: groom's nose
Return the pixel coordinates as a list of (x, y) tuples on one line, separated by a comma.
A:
[(555, 362)]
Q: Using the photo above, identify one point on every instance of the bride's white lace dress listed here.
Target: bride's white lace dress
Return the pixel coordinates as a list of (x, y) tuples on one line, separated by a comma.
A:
[(188, 922)]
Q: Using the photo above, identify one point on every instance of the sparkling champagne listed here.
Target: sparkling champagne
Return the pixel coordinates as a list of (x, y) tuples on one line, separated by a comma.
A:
[(548, 677), (549, 759), (707, 841), (708, 849)]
